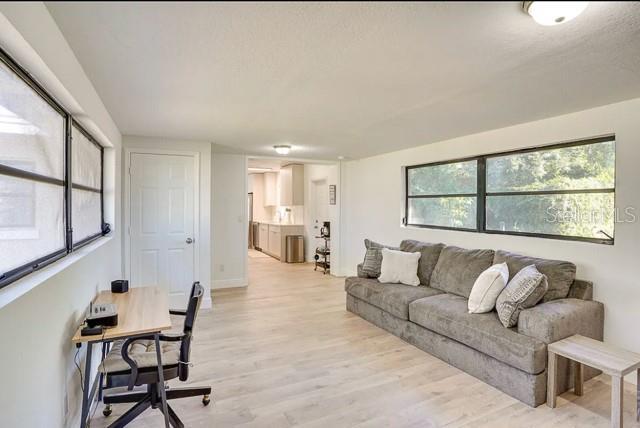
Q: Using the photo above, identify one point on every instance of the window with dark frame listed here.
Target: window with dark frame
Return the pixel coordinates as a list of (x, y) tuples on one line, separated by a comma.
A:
[(443, 195), (51, 173), (562, 191)]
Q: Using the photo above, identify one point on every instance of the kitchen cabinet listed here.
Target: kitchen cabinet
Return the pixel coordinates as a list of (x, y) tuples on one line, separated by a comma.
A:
[(263, 236), (272, 238), (275, 241), (270, 189), (284, 188), (291, 185)]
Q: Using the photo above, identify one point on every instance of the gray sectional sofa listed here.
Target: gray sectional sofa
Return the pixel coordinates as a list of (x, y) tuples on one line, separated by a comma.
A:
[(434, 317)]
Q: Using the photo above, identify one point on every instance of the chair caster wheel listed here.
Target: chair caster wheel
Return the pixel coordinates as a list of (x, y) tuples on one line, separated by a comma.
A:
[(206, 400), (107, 410)]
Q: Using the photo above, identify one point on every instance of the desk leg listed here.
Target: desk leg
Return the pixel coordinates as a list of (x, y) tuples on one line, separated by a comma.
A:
[(86, 400), (578, 378), (163, 393), (101, 382), (616, 401), (552, 368)]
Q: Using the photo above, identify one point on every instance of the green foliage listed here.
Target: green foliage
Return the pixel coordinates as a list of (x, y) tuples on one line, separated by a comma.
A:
[(584, 167)]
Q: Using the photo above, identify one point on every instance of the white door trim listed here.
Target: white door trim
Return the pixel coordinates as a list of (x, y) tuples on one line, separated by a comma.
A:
[(127, 204)]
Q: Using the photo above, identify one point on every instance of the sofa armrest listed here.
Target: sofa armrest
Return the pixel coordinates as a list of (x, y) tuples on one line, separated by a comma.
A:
[(558, 319), (581, 289)]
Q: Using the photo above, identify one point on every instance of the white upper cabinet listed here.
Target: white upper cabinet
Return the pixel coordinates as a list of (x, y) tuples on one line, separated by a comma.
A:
[(270, 189), (291, 185)]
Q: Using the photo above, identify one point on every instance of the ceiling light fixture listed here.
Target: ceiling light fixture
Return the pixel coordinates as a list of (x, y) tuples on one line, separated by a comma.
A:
[(554, 12), (282, 149)]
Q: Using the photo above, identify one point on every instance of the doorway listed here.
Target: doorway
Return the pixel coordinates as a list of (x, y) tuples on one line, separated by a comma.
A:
[(319, 211), (162, 241)]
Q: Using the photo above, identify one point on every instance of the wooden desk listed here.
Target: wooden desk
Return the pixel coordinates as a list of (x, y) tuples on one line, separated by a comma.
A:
[(141, 311), (615, 362)]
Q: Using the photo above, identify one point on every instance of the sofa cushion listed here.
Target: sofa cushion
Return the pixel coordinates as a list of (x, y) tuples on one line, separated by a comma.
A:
[(560, 274), (392, 298), (428, 259), (447, 315), (458, 268)]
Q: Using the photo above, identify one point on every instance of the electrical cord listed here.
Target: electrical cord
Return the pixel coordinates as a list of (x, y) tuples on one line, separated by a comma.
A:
[(75, 361)]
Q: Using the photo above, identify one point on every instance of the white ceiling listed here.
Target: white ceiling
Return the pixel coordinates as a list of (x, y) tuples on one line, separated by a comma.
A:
[(351, 79)]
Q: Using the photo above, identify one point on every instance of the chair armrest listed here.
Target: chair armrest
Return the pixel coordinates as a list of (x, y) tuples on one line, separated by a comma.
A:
[(558, 319), (132, 363), (178, 312)]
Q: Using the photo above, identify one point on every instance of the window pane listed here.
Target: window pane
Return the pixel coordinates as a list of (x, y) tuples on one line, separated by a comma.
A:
[(31, 130), (86, 214), (591, 166), (582, 215), (446, 212), (445, 179), (31, 221), (85, 160)]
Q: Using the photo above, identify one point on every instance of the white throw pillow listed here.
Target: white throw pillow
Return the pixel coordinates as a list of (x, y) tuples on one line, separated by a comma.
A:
[(487, 288), (399, 267)]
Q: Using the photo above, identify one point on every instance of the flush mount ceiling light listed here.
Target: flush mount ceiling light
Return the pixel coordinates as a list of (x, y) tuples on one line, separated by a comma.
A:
[(554, 12), (282, 149)]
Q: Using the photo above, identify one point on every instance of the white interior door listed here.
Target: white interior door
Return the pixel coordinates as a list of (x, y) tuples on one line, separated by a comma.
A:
[(320, 207), (162, 241)]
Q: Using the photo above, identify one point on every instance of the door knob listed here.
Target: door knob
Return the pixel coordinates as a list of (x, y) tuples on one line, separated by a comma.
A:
[(189, 241)]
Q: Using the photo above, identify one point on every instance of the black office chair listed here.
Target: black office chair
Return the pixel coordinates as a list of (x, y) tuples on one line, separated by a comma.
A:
[(133, 362)]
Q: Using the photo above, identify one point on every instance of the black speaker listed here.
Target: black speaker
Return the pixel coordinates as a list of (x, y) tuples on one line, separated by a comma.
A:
[(119, 286)]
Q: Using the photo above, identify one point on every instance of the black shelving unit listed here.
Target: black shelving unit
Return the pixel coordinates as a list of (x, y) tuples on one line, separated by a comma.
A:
[(323, 256)]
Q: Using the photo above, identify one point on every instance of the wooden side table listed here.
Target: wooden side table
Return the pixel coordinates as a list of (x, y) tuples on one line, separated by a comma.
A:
[(615, 362)]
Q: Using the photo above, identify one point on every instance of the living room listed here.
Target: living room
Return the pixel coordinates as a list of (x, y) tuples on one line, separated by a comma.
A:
[(476, 163)]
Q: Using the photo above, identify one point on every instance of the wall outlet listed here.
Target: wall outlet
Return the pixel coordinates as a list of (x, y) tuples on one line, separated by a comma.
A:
[(221, 267)]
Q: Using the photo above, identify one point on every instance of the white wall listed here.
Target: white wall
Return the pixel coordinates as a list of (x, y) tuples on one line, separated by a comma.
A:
[(204, 151), (230, 223), (373, 207), (36, 328), (330, 173), (256, 185)]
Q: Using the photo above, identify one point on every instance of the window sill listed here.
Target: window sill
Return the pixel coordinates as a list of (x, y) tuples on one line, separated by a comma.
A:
[(17, 289)]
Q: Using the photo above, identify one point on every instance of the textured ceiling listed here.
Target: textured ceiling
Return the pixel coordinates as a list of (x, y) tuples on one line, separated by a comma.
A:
[(350, 79)]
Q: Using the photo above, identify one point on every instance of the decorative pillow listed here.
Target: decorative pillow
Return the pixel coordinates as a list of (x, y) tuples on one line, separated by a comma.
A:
[(524, 291), (373, 258), (487, 288), (399, 267)]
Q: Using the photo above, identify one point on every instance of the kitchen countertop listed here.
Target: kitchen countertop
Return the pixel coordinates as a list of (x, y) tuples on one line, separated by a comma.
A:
[(274, 223)]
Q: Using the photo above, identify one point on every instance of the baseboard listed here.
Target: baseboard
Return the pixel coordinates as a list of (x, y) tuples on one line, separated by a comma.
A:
[(206, 302), (229, 283)]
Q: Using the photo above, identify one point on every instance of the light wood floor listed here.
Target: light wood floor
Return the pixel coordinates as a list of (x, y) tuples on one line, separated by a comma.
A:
[(284, 353)]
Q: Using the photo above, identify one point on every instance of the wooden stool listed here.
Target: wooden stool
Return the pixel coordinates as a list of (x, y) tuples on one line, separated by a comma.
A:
[(615, 362)]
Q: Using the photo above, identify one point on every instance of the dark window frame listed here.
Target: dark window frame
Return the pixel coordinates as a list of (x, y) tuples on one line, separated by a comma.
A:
[(15, 274), (447, 195), (76, 186), (482, 194)]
